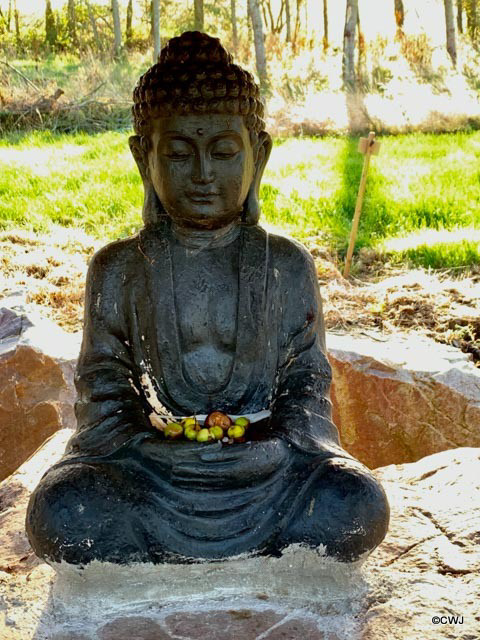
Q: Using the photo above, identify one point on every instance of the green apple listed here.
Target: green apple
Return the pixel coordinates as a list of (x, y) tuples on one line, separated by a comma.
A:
[(236, 432), (173, 430), (243, 422), (191, 422), (203, 435), (216, 433), (190, 433)]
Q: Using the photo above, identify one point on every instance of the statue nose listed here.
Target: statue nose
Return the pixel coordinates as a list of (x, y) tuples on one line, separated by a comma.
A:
[(202, 170)]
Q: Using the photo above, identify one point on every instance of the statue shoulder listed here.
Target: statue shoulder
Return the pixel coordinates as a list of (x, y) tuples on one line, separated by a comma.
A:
[(112, 263), (117, 253), (290, 256)]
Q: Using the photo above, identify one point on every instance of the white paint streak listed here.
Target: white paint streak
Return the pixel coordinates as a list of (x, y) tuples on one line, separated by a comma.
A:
[(133, 386), (150, 393), (157, 422)]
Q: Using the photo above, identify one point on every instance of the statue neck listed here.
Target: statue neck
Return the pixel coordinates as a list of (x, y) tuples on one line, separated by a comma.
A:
[(206, 238)]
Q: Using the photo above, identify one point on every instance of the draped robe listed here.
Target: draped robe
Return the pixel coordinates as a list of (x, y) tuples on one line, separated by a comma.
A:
[(185, 500)]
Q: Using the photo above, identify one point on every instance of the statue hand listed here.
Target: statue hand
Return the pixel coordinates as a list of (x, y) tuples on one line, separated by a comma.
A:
[(238, 464)]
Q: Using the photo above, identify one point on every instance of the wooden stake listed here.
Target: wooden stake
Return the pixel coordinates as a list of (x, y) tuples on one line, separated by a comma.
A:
[(367, 146)]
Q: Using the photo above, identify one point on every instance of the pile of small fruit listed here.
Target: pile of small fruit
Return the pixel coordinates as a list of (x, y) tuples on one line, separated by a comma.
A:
[(217, 426)]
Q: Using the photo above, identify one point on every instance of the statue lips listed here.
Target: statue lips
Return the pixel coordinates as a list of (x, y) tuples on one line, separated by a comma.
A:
[(202, 197)]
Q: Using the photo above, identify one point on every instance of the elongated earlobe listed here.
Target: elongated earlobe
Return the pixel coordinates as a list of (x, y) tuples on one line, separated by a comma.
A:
[(152, 207), (251, 208)]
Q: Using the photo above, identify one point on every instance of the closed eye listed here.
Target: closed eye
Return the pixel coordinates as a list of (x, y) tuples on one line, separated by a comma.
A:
[(177, 156), (175, 149), (224, 155)]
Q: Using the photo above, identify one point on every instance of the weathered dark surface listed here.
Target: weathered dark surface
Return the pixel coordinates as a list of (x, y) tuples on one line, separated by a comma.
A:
[(203, 310)]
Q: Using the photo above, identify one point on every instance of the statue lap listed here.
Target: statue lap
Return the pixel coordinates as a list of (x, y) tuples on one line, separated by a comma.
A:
[(108, 512)]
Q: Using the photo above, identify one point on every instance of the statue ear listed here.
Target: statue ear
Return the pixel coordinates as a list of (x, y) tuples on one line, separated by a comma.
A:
[(152, 207), (251, 208)]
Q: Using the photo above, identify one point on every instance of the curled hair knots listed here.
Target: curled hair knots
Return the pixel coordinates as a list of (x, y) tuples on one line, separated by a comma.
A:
[(194, 47), (195, 74)]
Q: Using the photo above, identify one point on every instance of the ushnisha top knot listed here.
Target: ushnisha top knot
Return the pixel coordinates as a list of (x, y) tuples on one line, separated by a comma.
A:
[(196, 47), (194, 75)]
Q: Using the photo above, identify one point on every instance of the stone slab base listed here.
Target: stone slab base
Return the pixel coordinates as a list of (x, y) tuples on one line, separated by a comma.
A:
[(301, 575), (221, 619)]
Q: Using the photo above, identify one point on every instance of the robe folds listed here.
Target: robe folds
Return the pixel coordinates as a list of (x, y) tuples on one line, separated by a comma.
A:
[(181, 501)]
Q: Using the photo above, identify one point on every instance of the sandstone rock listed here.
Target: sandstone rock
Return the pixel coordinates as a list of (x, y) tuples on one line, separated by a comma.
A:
[(16, 555), (402, 399), (37, 362), (133, 627), (218, 625), (429, 565)]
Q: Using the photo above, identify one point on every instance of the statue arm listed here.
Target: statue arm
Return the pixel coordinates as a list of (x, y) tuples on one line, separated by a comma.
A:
[(110, 408), (301, 407)]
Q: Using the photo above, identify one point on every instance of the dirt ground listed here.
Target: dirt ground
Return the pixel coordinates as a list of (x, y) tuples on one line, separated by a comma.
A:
[(377, 299)]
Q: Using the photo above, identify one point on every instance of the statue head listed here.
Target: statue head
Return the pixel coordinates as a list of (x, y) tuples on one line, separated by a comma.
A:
[(200, 147)]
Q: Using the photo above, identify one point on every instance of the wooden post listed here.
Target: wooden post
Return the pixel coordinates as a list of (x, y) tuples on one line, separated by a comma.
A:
[(367, 146)]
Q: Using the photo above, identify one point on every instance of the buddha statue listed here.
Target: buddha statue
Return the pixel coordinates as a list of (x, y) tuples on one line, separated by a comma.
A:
[(203, 310)]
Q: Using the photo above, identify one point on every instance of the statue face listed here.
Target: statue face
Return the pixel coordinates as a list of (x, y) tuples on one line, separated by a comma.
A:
[(201, 167)]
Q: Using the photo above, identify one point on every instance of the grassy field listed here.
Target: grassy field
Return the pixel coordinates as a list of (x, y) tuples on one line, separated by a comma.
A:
[(417, 182)]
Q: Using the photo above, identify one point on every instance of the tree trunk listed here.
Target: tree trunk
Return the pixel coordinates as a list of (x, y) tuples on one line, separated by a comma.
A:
[(198, 6), (288, 20), (325, 25), (361, 50), (260, 55), (96, 37), (16, 18), (233, 10), (50, 27), (249, 27), (297, 23), (156, 30), (348, 62), (471, 9), (117, 29), (128, 28), (450, 29), (399, 15), (9, 16), (459, 16), (305, 6), (264, 11), (72, 31)]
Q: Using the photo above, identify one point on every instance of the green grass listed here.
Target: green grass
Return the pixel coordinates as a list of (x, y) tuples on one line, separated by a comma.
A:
[(417, 182), (72, 180), (441, 255)]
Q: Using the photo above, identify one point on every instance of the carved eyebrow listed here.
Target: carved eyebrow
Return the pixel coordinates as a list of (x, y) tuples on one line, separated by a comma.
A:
[(177, 135), (229, 133)]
